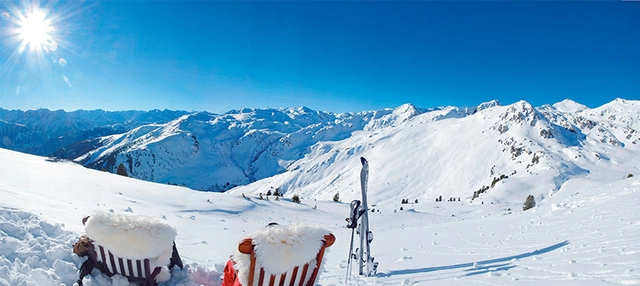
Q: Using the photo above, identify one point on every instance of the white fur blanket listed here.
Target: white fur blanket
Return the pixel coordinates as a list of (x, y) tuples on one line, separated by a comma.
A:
[(132, 237), (280, 248)]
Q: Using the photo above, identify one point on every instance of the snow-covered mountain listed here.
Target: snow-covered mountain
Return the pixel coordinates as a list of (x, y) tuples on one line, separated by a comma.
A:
[(476, 154), (496, 154), (217, 152), (43, 131), (309, 153)]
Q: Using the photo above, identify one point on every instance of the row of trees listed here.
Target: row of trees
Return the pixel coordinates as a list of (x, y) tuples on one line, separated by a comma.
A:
[(406, 201), (277, 194), (451, 199)]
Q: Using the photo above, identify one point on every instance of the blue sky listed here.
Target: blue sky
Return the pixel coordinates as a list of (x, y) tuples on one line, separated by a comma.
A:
[(332, 56)]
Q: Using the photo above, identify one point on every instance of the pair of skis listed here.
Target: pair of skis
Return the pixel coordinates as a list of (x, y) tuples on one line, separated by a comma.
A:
[(359, 211)]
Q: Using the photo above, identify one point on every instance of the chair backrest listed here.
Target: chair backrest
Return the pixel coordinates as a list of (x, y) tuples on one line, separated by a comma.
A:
[(134, 269), (298, 275)]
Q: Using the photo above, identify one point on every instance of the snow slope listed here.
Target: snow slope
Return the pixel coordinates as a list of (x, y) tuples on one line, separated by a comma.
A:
[(587, 232)]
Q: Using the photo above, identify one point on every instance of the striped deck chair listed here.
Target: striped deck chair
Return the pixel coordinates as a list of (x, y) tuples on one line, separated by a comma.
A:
[(279, 255), (139, 248)]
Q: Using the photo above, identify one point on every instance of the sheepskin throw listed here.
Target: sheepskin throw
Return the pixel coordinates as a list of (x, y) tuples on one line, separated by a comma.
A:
[(131, 237), (279, 249)]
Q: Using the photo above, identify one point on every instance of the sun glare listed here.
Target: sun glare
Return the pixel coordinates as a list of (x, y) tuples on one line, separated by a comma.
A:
[(33, 40), (36, 32)]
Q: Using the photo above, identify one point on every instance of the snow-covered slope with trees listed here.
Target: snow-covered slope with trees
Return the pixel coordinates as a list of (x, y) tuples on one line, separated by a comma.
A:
[(497, 154), (585, 233), (518, 142), (309, 153)]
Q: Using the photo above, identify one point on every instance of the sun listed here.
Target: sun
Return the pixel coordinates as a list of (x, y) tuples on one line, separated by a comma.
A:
[(33, 39), (35, 31)]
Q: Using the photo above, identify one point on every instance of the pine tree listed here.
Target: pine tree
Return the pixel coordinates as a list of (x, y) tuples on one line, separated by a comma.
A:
[(336, 197), (295, 199), (122, 171), (530, 202)]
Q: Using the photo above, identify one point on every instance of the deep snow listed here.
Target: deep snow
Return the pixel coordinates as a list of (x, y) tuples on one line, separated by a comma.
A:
[(585, 233)]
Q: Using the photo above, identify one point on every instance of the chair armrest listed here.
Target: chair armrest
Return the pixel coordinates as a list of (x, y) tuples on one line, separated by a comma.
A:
[(329, 239), (246, 246)]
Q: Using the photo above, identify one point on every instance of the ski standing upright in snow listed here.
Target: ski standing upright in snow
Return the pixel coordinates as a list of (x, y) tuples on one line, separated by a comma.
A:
[(359, 211)]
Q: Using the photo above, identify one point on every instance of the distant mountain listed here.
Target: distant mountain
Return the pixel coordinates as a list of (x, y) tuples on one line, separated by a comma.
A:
[(42, 131), (484, 153)]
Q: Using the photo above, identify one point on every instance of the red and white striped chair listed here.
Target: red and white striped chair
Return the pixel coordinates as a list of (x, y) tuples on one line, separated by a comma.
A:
[(139, 248), (279, 255)]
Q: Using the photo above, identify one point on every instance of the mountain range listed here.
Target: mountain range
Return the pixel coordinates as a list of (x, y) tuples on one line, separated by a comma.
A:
[(42, 131), (478, 154)]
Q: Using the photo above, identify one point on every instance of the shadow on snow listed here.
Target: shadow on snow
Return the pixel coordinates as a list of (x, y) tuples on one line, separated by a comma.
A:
[(481, 267)]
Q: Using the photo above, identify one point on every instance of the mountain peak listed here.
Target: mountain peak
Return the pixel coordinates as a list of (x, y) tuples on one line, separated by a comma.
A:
[(520, 112), (489, 104), (569, 105), (621, 103), (407, 109)]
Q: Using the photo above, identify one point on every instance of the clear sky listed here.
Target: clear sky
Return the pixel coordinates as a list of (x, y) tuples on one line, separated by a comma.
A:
[(333, 56)]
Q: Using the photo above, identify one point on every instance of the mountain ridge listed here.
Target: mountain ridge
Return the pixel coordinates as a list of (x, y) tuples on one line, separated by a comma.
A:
[(51, 130), (312, 153)]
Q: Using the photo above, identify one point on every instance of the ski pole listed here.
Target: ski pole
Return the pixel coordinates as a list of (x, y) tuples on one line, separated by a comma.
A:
[(349, 260)]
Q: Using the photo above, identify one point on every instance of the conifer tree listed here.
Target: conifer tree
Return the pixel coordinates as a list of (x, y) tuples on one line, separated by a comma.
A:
[(122, 171), (530, 202)]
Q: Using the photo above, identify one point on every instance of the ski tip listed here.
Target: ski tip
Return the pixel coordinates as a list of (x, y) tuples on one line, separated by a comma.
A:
[(363, 160)]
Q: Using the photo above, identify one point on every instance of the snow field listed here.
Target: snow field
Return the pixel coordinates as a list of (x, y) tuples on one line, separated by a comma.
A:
[(585, 233)]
